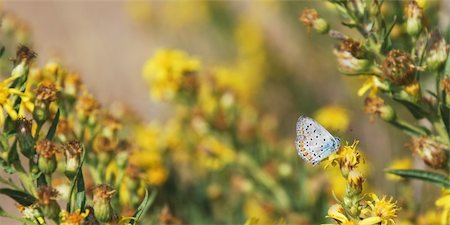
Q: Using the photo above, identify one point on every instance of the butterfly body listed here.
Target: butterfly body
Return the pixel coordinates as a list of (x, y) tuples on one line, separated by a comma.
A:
[(314, 143)]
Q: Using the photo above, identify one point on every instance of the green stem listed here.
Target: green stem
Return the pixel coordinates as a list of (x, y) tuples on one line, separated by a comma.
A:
[(442, 131), (408, 128), (265, 179)]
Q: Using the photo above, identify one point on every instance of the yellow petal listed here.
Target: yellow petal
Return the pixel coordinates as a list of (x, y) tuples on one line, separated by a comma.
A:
[(370, 221)]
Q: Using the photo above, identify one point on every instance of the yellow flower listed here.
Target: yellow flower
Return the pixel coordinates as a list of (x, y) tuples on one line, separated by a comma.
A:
[(333, 117), (213, 154), (404, 163), (347, 157), (165, 72), (5, 93), (75, 218), (337, 213), (444, 203), (384, 209), (372, 85)]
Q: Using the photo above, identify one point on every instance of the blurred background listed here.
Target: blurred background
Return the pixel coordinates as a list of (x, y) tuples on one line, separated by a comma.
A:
[(292, 69)]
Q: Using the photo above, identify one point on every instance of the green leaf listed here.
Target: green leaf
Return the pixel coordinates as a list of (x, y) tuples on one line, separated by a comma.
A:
[(445, 114), (20, 197), (435, 178), (2, 50), (77, 196), (415, 109), (144, 206), (52, 129)]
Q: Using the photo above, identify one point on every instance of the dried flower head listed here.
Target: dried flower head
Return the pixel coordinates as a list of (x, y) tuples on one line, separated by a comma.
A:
[(446, 84), (311, 18), (46, 93), (353, 47), (103, 192), (46, 148), (398, 67), (24, 54), (87, 106), (430, 151), (46, 194)]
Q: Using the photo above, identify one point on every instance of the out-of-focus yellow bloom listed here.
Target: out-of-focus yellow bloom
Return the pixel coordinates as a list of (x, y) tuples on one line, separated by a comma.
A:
[(75, 218), (156, 175), (384, 209), (165, 70), (213, 154), (179, 14), (444, 203), (254, 208), (139, 11), (422, 3), (429, 217), (252, 221), (333, 117), (404, 163)]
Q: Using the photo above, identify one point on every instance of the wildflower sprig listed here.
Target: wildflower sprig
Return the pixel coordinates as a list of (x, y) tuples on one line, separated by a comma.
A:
[(398, 73), (356, 207), (410, 69), (50, 116)]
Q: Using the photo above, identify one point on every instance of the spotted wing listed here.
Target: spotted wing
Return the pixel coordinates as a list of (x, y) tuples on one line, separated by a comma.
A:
[(314, 142)]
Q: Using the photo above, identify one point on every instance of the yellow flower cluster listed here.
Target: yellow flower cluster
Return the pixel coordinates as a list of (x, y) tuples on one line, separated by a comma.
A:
[(351, 210), (167, 72)]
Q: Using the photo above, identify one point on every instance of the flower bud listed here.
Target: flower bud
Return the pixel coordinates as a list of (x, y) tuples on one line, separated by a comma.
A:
[(398, 67), (47, 201), (430, 151), (72, 151), (337, 213), (71, 85), (351, 58), (355, 180), (103, 210), (24, 137), (24, 55), (45, 94), (87, 109), (375, 106), (414, 16), (47, 159), (311, 18), (437, 52)]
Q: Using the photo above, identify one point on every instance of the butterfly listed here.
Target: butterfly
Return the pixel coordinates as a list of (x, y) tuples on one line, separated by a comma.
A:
[(314, 143)]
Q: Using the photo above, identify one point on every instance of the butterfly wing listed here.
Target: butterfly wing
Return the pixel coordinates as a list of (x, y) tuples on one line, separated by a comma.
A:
[(314, 142)]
